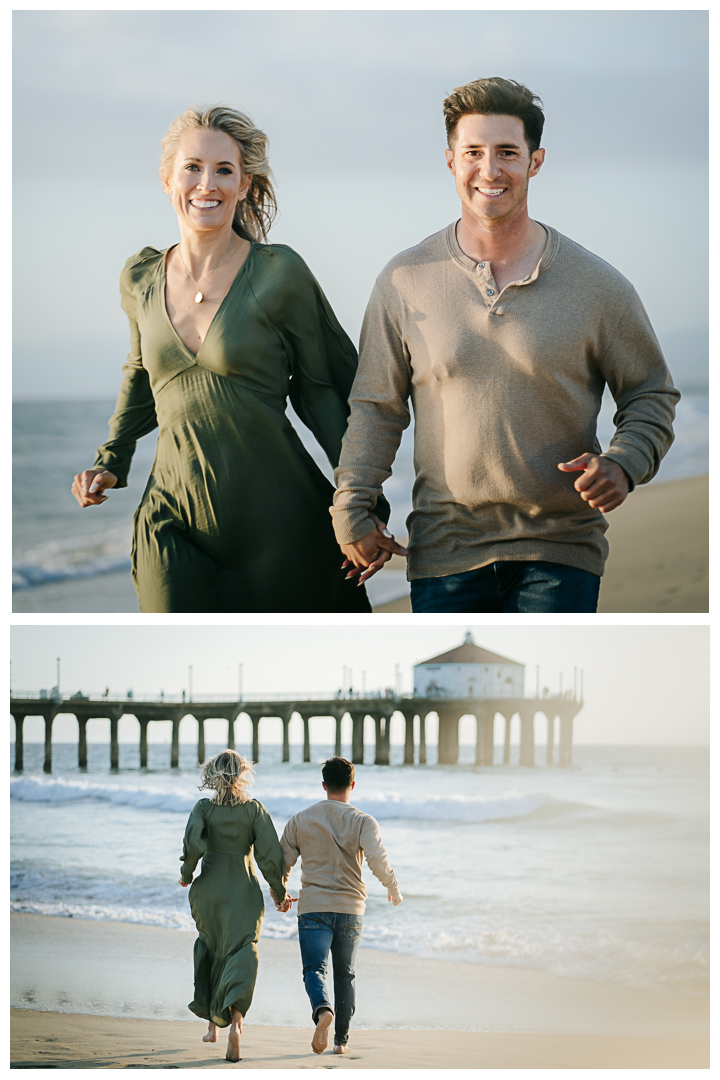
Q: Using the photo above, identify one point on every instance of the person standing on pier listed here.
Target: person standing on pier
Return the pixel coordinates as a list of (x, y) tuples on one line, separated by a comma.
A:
[(224, 328), (226, 900), (330, 838)]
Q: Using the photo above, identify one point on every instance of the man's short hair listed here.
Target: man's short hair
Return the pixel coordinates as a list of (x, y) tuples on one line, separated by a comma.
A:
[(499, 97), (338, 774)]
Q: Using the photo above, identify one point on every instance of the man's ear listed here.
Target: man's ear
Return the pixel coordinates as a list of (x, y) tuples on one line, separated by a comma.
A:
[(352, 785), (324, 785), (450, 160), (538, 156)]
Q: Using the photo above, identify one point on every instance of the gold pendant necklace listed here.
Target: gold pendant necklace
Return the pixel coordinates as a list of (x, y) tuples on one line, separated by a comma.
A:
[(199, 295)]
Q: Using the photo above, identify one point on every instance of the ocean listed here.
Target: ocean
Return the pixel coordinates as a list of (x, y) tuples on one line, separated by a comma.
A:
[(54, 540), (598, 871)]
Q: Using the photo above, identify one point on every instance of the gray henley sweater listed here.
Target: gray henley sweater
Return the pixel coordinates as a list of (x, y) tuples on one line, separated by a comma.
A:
[(503, 387)]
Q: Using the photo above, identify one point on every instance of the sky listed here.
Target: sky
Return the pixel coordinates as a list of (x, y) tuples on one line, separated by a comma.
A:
[(352, 103), (643, 685)]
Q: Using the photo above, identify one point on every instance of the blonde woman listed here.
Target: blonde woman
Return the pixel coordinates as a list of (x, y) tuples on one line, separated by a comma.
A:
[(226, 899), (224, 328)]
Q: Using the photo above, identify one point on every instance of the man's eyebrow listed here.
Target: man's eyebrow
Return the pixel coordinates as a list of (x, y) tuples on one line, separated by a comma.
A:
[(498, 146)]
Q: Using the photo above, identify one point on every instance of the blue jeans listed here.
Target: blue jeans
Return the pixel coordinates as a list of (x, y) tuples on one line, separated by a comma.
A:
[(322, 933), (509, 587)]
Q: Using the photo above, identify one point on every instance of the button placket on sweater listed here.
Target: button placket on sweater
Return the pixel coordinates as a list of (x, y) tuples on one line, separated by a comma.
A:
[(488, 288)]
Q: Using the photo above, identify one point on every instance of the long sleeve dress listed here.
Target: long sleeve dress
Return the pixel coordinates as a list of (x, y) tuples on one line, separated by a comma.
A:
[(226, 901), (235, 516)]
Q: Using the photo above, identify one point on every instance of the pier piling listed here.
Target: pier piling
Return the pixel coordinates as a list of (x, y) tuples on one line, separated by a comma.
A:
[(19, 763)]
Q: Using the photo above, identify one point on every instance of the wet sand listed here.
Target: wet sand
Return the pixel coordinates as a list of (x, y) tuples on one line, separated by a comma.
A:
[(114, 995), (66, 1041)]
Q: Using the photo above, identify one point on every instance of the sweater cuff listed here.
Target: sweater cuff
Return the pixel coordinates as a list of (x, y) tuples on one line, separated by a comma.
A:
[(351, 525), (633, 463)]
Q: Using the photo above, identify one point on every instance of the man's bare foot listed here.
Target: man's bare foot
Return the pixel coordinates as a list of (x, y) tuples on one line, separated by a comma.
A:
[(322, 1029), (340, 1048), (233, 1046), (211, 1034)]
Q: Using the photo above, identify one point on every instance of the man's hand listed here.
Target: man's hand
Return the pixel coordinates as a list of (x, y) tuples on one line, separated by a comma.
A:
[(603, 484), (365, 557), (286, 904), (184, 883), (394, 899)]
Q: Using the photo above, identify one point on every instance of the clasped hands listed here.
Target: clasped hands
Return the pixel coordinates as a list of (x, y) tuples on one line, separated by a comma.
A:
[(369, 554)]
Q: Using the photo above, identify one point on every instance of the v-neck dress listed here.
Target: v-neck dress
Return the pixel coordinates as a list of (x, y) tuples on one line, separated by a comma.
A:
[(226, 900), (235, 515)]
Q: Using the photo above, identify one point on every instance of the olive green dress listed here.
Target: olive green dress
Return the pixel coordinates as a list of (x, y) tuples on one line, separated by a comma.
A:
[(235, 515), (227, 902)]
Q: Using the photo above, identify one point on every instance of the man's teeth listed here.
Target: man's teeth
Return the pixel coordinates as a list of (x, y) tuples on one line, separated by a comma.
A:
[(491, 191), (204, 203)]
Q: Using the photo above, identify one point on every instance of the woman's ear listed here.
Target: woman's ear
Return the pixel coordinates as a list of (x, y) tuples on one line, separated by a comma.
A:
[(244, 187)]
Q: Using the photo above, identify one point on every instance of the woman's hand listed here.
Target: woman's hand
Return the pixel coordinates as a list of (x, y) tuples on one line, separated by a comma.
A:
[(184, 884), (368, 555), (395, 899), (88, 486), (286, 904)]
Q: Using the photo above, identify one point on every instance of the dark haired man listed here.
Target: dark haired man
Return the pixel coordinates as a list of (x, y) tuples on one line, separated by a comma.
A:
[(330, 838), (504, 334)]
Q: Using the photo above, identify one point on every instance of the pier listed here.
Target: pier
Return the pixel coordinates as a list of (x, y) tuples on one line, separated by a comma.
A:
[(557, 710)]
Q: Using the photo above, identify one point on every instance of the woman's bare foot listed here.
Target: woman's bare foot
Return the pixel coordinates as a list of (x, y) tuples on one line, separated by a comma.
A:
[(211, 1033), (322, 1029), (233, 1045), (340, 1048)]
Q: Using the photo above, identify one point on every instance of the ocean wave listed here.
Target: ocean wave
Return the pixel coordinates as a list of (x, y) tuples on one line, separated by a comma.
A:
[(63, 560), (383, 806)]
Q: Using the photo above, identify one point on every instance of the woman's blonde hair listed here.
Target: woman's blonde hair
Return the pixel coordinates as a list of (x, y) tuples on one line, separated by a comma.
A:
[(229, 775), (256, 212)]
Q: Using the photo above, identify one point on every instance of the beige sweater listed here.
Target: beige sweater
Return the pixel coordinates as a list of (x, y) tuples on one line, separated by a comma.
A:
[(331, 838), (503, 387)]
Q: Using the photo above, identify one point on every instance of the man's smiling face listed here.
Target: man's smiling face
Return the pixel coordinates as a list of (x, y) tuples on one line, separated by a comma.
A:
[(492, 165)]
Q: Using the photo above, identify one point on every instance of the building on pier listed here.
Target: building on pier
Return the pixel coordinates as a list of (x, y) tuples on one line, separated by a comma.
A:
[(469, 672), (445, 693)]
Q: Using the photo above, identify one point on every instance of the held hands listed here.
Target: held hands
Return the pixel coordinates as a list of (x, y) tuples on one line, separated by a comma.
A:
[(185, 884), (286, 904), (603, 484), (88, 486), (368, 555), (394, 899)]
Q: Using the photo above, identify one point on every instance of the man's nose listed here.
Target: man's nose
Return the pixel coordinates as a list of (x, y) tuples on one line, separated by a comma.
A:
[(490, 167)]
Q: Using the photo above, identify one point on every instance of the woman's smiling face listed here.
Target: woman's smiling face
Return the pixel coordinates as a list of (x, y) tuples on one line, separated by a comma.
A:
[(206, 180)]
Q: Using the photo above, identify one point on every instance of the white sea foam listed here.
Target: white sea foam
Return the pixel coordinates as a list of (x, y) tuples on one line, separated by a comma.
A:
[(383, 806)]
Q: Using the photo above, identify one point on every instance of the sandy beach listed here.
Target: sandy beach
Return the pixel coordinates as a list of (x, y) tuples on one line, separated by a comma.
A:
[(113, 995)]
